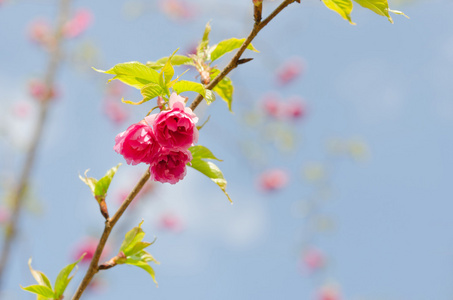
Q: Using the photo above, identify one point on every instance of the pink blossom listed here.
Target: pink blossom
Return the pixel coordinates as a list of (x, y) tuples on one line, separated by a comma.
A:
[(313, 259), (38, 90), (290, 70), (175, 128), (271, 104), (170, 166), (115, 111), (39, 31), (171, 221), (21, 109), (78, 24), (116, 88), (177, 9), (295, 108), (88, 246), (329, 292), (4, 215), (273, 179), (137, 144)]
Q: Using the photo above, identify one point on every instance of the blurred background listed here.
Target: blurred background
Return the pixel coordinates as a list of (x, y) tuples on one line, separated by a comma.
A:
[(337, 156)]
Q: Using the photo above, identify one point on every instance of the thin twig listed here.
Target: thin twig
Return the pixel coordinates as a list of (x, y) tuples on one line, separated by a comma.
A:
[(110, 223), (21, 188)]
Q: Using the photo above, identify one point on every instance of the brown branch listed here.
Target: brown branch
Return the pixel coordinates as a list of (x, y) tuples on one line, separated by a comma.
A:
[(234, 61), (21, 188), (110, 223)]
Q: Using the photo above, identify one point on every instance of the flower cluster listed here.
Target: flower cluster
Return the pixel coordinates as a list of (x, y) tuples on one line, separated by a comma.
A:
[(161, 140)]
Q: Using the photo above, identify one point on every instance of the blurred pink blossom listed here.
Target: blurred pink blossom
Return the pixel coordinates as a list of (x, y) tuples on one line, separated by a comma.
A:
[(271, 104), (177, 9), (21, 109), (78, 24), (115, 111), (273, 179), (4, 215), (329, 292), (115, 89), (88, 245), (40, 32), (295, 108), (171, 222), (289, 70), (313, 259), (38, 90)]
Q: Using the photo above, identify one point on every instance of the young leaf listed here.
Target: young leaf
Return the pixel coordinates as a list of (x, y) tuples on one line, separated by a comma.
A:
[(185, 85), (90, 181), (63, 278), (134, 236), (381, 7), (201, 49), (224, 88), (176, 60), (133, 73), (226, 46), (144, 256), (41, 290), (103, 184), (148, 91), (40, 277), (342, 7), (144, 266), (208, 168)]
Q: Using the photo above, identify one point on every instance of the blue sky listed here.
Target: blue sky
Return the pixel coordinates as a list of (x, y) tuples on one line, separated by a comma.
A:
[(385, 85)]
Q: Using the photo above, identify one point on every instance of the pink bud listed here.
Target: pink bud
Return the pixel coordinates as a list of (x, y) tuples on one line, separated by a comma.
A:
[(329, 292), (273, 179), (171, 222), (88, 246), (39, 32), (313, 259), (78, 24), (271, 104), (177, 9), (295, 108), (290, 70), (38, 90)]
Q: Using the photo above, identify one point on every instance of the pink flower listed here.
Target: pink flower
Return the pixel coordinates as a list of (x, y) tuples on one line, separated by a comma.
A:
[(274, 179), (170, 221), (40, 32), (290, 70), (271, 104), (78, 24), (38, 90), (137, 144), (175, 128), (295, 108), (329, 292), (115, 111), (313, 259), (169, 165), (88, 246), (177, 9)]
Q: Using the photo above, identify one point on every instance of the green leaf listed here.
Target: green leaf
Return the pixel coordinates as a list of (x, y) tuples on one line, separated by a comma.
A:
[(226, 46), (176, 60), (90, 181), (208, 168), (40, 277), (144, 256), (225, 90), (202, 47), (201, 152), (41, 290), (381, 7), (144, 266), (134, 236), (63, 278), (148, 92), (133, 73), (103, 184), (185, 85), (342, 7)]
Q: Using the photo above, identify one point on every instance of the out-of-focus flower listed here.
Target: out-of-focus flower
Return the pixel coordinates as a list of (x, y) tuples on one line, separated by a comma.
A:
[(295, 108), (88, 246), (272, 104), (313, 259), (38, 90), (171, 222), (290, 70), (170, 166), (40, 32), (273, 179), (177, 9), (115, 111), (329, 292), (21, 109), (137, 144), (175, 128), (4, 215), (78, 24)]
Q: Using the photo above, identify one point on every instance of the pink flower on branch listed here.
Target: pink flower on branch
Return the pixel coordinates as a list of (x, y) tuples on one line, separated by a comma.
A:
[(290, 70), (175, 128), (78, 24), (169, 165), (137, 144), (273, 179)]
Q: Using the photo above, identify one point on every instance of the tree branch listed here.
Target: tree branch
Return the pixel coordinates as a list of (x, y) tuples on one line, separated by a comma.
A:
[(20, 190), (110, 223)]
